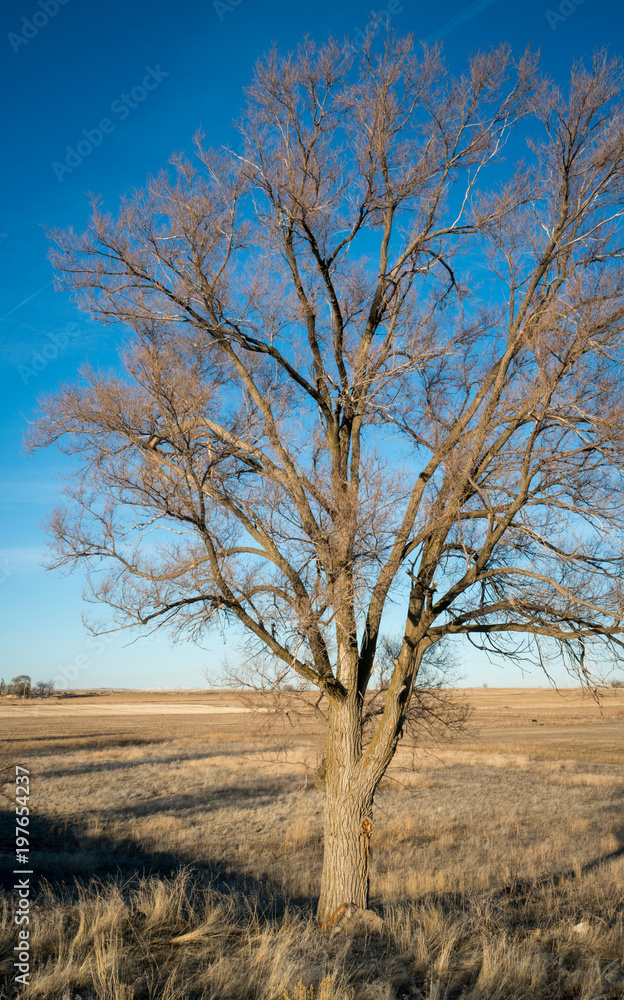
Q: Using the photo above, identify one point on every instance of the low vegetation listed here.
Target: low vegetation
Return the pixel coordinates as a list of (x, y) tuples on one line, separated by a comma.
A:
[(189, 868)]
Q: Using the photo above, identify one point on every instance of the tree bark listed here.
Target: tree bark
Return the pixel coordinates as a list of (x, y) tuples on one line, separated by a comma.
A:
[(348, 808)]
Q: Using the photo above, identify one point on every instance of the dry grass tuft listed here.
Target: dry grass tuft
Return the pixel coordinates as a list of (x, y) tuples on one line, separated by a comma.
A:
[(187, 868), (326, 991), (174, 939)]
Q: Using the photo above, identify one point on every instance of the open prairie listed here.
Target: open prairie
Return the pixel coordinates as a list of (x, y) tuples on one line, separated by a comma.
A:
[(176, 852)]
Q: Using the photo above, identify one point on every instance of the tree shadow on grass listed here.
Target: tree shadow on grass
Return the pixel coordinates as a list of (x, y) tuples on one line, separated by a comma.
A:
[(521, 890), (54, 744), (243, 799), (67, 857), (206, 753), (63, 855), (62, 862)]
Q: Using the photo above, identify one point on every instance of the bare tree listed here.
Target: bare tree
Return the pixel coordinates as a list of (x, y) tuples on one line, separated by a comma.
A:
[(375, 356), (44, 689), (436, 712), (21, 686)]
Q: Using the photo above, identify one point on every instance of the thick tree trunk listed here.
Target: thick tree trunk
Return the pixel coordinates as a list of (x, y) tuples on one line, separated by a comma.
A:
[(348, 807), (346, 849)]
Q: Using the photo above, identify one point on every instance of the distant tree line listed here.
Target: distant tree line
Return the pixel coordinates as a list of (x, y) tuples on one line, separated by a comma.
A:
[(22, 687)]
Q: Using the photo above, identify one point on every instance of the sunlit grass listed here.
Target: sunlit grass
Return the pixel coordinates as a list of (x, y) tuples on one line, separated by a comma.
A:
[(498, 869)]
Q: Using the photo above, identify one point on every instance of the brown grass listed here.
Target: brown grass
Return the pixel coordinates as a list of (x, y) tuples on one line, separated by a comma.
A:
[(188, 867)]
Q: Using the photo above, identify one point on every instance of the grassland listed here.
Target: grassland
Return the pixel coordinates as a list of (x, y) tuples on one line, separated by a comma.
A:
[(177, 845)]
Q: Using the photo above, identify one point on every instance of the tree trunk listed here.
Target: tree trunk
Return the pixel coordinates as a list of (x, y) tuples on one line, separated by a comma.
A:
[(348, 807)]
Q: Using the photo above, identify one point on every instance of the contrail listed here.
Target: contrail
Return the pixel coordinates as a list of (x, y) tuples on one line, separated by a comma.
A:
[(454, 22), (24, 301)]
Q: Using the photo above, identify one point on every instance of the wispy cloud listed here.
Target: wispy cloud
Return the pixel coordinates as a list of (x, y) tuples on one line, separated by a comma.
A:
[(37, 348), (39, 491), (24, 558)]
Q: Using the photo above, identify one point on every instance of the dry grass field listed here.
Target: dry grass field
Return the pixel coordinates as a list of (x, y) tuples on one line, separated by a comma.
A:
[(176, 840)]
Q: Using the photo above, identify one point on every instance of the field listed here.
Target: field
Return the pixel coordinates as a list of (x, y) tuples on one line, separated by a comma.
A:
[(176, 845)]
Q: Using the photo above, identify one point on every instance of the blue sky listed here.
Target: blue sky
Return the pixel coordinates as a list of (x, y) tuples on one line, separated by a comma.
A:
[(95, 98)]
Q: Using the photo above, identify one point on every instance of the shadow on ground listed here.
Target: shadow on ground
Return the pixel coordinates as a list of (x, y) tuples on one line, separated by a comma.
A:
[(63, 855), (521, 890), (67, 857)]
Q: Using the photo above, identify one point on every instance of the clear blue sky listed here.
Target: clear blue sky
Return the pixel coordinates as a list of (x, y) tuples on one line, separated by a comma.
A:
[(65, 67)]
